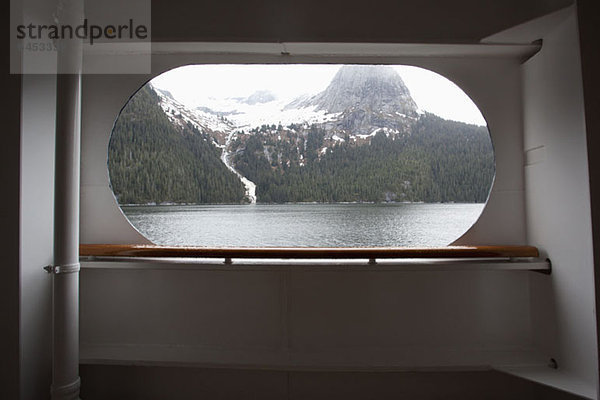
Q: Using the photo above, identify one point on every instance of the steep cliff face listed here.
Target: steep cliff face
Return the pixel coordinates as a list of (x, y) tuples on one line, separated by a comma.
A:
[(367, 98), (374, 88)]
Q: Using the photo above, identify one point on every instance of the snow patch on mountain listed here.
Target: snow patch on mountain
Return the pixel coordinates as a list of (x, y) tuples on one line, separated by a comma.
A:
[(199, 118), (245, 116), (248, 184), (358, 100), (387, 131)]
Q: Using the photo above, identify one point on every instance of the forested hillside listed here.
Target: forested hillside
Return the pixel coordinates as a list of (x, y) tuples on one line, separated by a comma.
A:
[(152, 160), (439, 161), (374, 147)]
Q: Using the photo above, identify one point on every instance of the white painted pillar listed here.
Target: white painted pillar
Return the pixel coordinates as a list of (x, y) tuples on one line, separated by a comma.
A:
[(65, 283)]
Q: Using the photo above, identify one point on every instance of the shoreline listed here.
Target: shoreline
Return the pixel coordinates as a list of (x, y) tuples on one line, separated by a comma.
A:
[(152, 204)]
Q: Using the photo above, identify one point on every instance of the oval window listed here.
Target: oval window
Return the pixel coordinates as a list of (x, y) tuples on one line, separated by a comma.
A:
[(301, 155)]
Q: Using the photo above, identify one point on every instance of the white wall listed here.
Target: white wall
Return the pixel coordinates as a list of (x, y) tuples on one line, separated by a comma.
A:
[(101, 219), (558, 206), (559, 318), (36, 235), (290, 318), (493, 83), (282, 317)]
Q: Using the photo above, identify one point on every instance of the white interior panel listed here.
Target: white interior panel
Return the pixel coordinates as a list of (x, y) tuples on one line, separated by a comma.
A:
[(558, 205)]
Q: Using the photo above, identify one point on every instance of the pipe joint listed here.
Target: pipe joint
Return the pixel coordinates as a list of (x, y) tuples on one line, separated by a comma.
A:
[(62, 269)]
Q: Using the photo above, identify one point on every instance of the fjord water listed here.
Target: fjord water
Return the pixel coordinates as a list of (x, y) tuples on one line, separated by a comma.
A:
[(304, 225)]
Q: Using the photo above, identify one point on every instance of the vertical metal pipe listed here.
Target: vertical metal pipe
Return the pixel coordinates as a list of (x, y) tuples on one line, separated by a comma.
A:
[(65, 287), (65, 283)]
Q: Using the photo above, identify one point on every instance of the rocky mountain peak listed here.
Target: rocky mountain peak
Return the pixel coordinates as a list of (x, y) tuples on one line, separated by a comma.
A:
[(260, 97), (375, 88)]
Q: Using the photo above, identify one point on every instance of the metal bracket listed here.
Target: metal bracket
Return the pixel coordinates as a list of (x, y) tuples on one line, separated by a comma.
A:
[(546, 271), (62, 269)]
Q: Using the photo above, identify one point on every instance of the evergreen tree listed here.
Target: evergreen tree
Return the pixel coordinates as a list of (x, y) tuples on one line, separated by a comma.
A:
[(151, 160), (439, 161)]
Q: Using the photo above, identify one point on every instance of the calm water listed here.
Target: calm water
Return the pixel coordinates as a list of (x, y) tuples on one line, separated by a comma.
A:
[(311, 225)]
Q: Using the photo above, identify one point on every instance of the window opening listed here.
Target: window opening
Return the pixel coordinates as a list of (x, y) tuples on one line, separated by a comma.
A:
[(301, 156)]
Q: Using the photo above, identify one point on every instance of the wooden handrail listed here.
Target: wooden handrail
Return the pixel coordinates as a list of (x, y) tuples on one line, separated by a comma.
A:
[(132, 250)]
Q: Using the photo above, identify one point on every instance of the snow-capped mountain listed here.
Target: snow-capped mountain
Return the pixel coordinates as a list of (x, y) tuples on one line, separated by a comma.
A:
[(260, 97), (359, 101), (367, 99), (226, 115), (369, 87), (325, 146)]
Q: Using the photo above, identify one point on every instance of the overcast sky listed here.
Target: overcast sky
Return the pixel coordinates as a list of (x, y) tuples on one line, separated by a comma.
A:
[(191, 84)]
